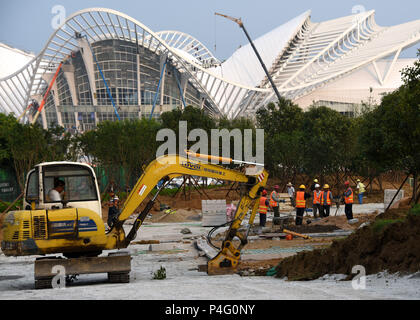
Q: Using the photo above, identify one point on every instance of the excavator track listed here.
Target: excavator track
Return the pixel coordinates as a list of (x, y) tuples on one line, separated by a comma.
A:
[(116, 265)]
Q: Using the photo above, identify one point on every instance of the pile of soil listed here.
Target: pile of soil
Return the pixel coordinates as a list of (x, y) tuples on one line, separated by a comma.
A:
[(179, 215), (341, 222), (395, 248)]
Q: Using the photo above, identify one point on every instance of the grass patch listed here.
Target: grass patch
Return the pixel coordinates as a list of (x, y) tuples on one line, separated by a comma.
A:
[(380, 225), (415, 210)]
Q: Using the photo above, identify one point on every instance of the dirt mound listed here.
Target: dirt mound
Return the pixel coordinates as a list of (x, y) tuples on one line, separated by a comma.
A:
[(399, 213), (179, 215), (340, 222), (385, 245)]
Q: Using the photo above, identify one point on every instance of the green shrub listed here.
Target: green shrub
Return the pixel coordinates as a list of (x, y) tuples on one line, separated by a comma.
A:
[(415, 210), (160, 274), (4, 205), (380, 225)]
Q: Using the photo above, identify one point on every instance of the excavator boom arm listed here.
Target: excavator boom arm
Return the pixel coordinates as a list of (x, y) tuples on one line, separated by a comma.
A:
[(173, 165), (167, 167)]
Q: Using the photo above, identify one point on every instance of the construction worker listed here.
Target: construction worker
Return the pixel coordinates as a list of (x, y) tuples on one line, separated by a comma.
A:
[(274, 203), (301, 197), (113, 211), (348, 200), (57, 193), (314, 184), (326, 201), (316, 204), (292, 193), (361, 189), (262, 209)]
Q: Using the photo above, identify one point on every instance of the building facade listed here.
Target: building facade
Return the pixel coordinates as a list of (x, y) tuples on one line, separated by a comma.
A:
[(113, 67)]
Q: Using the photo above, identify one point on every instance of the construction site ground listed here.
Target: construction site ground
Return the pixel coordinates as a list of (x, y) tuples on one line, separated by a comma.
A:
[(170, 243)]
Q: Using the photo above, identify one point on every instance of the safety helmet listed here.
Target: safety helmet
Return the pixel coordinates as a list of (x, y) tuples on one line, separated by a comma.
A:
[(316, 180), (346, 183), (358, 180), (326, 186), (276, 187), (317, 186), (302, 187), (264, 192)]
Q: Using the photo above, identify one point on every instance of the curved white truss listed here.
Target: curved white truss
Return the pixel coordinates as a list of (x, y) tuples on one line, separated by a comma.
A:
[(193, 47), (313, 55), (101, 24), (326, 51)]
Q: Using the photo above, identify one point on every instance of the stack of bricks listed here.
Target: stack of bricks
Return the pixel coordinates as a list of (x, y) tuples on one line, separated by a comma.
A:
[(287, 206), (389, 195), (214, 212)]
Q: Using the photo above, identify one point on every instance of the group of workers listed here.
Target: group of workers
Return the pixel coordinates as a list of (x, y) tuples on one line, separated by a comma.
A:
[(321, 201)]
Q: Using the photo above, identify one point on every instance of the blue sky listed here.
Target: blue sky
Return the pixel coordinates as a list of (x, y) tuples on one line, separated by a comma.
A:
[(27, 24)]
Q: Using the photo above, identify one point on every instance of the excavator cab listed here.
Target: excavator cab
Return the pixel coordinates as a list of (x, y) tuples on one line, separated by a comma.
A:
[(67, 219), (80, 189)]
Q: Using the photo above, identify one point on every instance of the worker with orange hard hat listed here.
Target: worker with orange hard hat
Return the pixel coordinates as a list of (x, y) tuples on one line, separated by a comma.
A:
[(263, 208)]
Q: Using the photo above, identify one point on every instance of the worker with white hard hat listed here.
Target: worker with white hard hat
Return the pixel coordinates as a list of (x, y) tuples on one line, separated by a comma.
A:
[(314, 184), (316, 203)]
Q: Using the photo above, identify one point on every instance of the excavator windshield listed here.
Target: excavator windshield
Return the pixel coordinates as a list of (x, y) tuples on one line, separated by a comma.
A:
[(78, 183)]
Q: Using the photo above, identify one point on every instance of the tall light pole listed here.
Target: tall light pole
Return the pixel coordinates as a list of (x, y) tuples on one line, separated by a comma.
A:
[(241, 25)]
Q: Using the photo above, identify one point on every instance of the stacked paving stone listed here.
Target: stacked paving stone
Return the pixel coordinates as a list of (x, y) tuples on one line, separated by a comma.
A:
[(287, 206), (214, 212), (389, 195)]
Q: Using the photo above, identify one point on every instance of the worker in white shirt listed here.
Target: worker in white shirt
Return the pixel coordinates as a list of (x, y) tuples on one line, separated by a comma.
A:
[(55, 193)]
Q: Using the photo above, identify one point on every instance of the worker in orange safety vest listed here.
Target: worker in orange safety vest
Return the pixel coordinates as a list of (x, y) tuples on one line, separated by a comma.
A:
[(348, 200), (316, 203), (326, 201), (301, 197), (274, 203), (263, 208)]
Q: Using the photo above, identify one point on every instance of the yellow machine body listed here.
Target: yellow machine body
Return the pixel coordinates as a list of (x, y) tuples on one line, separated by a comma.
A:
[(39, 232), (77, 231)]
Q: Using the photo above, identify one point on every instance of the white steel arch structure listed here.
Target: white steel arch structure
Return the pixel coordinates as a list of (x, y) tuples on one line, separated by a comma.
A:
[(99, 24), (301, 56)]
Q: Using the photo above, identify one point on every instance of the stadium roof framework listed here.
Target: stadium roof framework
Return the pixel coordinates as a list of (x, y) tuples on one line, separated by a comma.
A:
[(302, 56)]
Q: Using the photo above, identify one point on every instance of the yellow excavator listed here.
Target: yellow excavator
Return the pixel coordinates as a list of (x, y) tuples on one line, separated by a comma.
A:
[(74, 228)]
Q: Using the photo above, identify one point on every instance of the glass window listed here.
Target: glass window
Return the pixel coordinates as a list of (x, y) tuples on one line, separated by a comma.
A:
[(79, 182), (32, 187)]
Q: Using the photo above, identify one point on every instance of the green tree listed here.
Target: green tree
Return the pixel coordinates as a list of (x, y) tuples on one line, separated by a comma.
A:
[(328, 141), (283, 138)]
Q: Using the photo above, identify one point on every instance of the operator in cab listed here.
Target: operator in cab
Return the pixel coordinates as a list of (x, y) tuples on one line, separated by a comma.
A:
[(57, 193)]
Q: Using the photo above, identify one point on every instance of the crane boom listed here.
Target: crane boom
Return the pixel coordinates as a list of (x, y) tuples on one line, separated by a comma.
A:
[(241, 25)]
